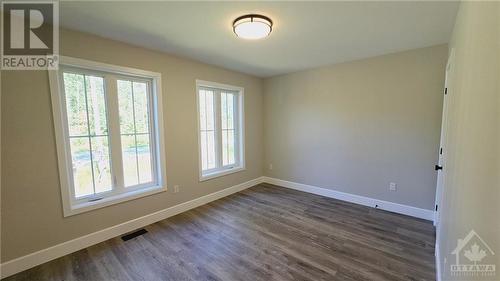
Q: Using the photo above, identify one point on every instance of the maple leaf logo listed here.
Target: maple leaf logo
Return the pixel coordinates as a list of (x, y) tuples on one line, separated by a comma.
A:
[(475, 254)]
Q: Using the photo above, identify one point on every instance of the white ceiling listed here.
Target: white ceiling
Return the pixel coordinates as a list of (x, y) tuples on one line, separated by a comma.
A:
[(305, 35)]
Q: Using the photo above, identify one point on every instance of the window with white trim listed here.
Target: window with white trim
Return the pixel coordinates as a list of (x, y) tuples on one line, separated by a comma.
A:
[(221, 140), (109, 136)]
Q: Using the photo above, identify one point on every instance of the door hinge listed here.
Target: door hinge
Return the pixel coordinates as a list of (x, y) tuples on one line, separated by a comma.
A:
[(445, 91), (436, 207), (441, 150)]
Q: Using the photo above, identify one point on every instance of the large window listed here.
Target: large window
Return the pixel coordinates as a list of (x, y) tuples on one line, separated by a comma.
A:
[(109, 135), (220, 113)]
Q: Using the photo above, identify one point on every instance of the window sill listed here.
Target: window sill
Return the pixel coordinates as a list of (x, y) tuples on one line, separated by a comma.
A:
[(216, 174), (114, 199)]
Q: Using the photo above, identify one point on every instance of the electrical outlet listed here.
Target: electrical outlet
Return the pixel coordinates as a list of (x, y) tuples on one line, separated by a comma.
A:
[(176, 188), (392, 186), (270, 166)]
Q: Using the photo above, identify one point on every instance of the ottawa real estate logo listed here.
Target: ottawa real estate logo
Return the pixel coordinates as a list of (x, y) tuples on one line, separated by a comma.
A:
[(30, 35), (472, 256)]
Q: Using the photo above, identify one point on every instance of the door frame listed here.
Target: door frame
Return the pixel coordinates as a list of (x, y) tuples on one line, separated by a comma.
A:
[(442, 151)]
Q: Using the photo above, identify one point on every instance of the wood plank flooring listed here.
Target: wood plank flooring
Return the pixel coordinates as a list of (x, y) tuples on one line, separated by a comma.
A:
[(262, 233)]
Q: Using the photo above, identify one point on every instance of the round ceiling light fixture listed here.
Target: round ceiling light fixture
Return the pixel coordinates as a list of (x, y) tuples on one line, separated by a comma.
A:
[(252, 26)]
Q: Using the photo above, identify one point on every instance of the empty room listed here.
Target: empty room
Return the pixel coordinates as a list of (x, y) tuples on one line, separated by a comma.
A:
[(235, 140)]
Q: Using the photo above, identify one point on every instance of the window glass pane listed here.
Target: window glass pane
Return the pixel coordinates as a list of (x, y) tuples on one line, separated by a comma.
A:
[(144, 159), (211, 149), (204, 153), (82, 169), (224, 148), (74, 90), (207, 141), (133, 99), (207, 129), (129, 160), (101, 164), (223, 110), (209, 102), (203, 112), (227, 110), (230, 111), (141, 101), (228, 146), (86, 114), (227, 120), (126, 108), (96, 105)]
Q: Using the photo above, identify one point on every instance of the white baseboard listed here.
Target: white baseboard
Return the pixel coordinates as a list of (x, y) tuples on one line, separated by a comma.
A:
[(31, 260), (357, 199), (437, 256)]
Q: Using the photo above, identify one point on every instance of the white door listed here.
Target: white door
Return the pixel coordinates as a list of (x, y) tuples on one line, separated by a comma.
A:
[(441, 165)]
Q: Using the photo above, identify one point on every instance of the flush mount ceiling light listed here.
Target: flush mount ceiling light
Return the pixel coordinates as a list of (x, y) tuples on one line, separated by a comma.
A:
[(252, 26)]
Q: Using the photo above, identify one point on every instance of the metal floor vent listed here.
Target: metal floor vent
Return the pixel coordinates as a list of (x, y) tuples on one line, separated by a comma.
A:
[(134, 234)]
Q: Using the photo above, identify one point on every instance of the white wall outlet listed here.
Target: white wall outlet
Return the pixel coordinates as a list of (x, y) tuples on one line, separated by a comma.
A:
[(392, 186), (270, 166), (176, 188)]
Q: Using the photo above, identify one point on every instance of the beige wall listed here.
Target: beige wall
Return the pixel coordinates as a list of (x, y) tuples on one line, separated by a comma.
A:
[(32, 217), (471, 174), (355, 127)]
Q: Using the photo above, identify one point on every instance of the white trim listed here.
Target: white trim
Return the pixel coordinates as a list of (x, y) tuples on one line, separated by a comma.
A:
[(440, 186), (441, 175), (31, 260), (59, 130), (240, 128), (106, 67), (437, 256), (118, 194), (220, 173), (218, 85), (83, 207), (357, 199)]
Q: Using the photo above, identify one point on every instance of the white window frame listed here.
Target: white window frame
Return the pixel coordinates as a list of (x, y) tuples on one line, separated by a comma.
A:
[(71, 204), (240, 124)]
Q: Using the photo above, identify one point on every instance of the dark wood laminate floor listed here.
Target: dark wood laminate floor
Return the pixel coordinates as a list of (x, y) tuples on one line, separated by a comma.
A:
[(262, 233)]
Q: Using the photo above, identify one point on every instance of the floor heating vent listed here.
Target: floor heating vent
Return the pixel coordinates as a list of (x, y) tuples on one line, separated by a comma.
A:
[(134, 234)]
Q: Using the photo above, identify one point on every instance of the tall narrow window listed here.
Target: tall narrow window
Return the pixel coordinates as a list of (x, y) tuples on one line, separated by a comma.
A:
[(228, 128), (207, 129), (220, 129), (109, 137), (133, 100), (88, 133)]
